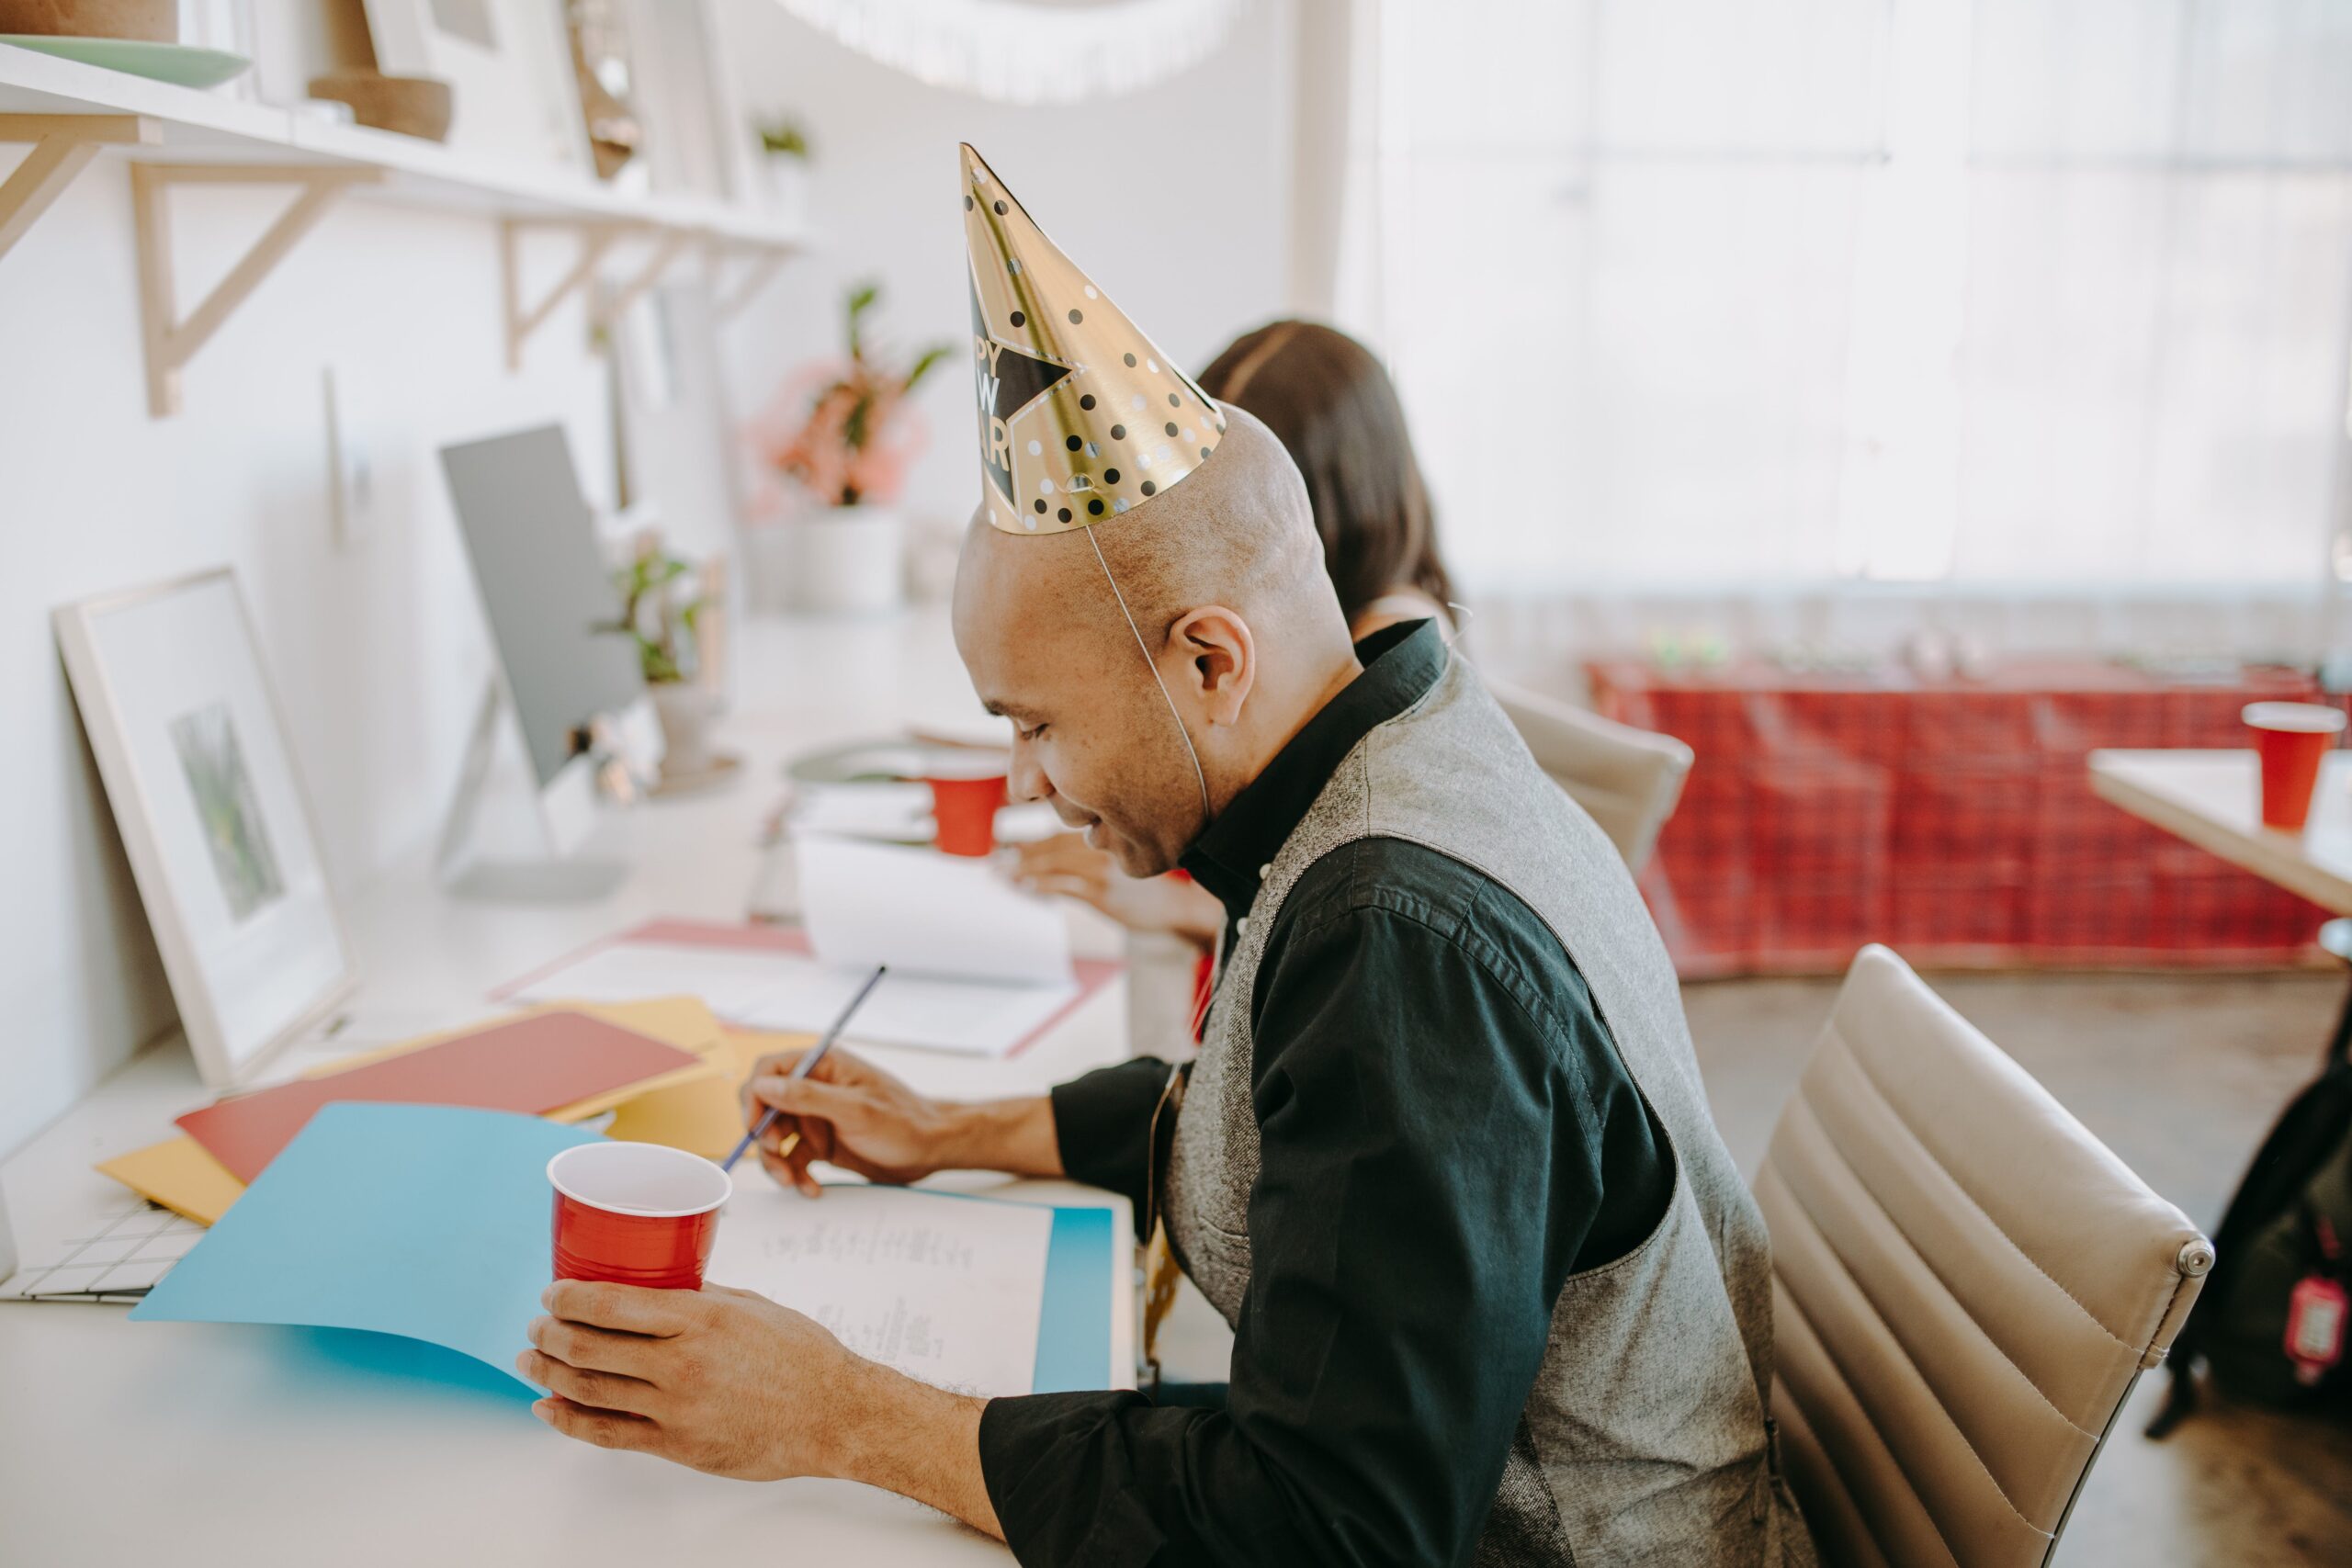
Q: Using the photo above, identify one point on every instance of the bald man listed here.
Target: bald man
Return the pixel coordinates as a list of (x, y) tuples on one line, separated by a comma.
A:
[(1443, 1163)]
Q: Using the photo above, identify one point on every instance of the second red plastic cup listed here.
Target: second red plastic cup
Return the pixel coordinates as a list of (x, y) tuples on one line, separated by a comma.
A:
[(636, 1214), (965, 809), (2290, 739)]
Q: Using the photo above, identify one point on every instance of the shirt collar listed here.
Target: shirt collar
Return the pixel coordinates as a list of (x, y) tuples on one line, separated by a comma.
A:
[(1401, 664)]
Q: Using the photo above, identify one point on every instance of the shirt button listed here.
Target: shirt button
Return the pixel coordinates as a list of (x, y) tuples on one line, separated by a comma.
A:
[(1266, 871), (1241, 925)]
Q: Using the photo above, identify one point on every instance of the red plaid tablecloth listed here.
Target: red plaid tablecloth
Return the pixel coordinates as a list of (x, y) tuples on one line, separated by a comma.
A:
[(1951, 821)]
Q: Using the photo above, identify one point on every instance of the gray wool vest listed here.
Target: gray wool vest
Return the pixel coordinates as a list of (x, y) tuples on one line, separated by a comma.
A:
[(1644, 1437)]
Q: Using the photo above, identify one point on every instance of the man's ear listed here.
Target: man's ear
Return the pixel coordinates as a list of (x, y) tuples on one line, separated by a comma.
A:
[(1220, 660)]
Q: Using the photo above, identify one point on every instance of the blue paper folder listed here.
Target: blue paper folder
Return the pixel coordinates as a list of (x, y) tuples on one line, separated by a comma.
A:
[(425, 1221), (1074, 1328), (431, 1222)]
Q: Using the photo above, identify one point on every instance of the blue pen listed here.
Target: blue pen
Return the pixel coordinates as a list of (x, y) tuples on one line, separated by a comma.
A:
[(806, 1064)]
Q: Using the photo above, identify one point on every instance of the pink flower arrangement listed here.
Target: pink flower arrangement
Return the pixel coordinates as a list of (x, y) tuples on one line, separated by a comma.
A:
[(843, 430)]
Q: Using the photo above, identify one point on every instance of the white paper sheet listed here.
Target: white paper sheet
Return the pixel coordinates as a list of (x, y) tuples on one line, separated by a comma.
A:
[(947, 1290), (926, 913), (899, 813), (731, 983), (967, 1017), (794, 991)]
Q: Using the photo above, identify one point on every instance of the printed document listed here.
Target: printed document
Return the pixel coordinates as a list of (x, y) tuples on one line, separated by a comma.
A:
[(943, 1287)]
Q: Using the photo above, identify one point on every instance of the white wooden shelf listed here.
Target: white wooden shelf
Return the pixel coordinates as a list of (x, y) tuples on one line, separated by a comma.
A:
[(208, 127), (70, 112)]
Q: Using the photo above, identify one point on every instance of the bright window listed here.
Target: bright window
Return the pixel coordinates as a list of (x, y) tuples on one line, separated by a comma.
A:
[(1985, 292)]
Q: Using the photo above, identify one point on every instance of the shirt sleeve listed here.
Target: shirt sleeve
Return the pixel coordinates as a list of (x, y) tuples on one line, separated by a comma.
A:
[(1103, 1127), (1421, 1187)]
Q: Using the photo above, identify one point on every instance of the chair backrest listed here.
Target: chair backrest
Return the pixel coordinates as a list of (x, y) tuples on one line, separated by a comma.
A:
[(1628, 779), (1966, 1285)]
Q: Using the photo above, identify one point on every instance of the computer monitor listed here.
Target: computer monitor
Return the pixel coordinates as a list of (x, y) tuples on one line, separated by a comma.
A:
[(545, 589)]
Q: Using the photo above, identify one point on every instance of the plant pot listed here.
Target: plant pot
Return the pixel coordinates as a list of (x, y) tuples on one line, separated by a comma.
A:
[(685, 709), (845, 559), (148, 21), (788, 187)]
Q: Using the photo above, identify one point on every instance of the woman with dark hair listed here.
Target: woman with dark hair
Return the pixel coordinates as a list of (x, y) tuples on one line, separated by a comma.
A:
[(1333, 407), (1328, 400)]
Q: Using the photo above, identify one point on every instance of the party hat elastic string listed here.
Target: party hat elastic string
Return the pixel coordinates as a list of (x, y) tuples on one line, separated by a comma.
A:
[(1153, 665)]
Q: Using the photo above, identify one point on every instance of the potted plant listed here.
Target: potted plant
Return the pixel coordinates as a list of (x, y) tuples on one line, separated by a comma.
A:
[(786, 147), (841, 435), (662, 611)]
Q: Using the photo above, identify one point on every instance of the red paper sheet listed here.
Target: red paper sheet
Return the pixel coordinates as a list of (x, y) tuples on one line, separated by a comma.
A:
[(533, 1066)]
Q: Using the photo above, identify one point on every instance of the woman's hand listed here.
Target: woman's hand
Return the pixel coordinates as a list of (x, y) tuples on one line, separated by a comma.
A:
[(1067, 864), (851, 1113)]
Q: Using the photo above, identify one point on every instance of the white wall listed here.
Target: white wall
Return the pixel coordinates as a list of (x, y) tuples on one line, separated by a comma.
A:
[(377, 651), (1175, 199)]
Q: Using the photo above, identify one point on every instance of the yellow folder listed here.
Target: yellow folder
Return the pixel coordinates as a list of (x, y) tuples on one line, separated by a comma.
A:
[(180, 1176), (704, 1116)]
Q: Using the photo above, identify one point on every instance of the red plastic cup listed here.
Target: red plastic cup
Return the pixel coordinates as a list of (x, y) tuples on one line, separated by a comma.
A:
[(2290, 739), (966, 810), (634, 1214)]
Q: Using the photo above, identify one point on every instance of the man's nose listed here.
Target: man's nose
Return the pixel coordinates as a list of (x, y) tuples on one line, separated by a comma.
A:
[(1027, 780)]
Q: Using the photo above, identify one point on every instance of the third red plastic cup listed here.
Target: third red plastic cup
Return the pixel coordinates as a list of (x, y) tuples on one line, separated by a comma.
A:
[(636, 1214), (2290, 739)]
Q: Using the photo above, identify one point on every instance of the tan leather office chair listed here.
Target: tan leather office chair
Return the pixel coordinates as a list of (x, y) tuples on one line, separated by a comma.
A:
[(1965, 1286), (1628, 779)]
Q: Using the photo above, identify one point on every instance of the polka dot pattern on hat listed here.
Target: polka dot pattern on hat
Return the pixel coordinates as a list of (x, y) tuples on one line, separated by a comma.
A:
[(1062, 376)]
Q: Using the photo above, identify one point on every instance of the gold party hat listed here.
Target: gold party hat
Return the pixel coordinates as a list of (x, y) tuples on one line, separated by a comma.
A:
[(1082, 416)]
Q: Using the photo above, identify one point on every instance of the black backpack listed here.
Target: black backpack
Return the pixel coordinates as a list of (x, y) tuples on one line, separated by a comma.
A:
[(2283, 1253)]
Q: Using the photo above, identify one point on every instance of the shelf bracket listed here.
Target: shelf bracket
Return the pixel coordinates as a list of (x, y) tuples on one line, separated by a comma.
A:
[(765, 263), (173, 339), (523, 320), (617, 302), (63, 145)]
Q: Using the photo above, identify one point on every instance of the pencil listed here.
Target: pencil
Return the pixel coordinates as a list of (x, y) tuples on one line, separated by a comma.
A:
[(806, 1065)]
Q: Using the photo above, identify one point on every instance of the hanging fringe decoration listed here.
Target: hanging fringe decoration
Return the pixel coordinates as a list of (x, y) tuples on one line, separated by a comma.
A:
[(1019, 51)]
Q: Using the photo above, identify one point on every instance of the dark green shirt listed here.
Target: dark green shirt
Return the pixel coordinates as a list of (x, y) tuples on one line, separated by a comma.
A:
[(1445, 1135)]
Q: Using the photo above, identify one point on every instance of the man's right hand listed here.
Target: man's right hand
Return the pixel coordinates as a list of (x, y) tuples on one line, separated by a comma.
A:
[(851, 1113)]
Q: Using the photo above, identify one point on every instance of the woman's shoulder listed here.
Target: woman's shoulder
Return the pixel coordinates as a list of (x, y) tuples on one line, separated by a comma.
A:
[(1400, 605)]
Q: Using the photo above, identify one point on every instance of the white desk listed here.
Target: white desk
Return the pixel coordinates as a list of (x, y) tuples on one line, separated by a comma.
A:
[(2213, 799), (192, 1445)]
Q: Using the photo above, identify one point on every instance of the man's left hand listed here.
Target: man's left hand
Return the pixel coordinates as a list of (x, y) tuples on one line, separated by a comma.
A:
[(722, 1379)]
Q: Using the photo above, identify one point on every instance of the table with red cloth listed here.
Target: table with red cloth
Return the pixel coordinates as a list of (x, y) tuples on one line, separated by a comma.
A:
[(1952, 819)]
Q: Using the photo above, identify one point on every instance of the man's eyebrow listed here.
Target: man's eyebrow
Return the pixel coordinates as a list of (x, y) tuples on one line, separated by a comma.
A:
[(999, 710)]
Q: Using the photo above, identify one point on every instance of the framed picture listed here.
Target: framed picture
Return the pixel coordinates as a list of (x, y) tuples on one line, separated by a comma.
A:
[(697, 139), (743, 162), (508, 63), (187, 739)]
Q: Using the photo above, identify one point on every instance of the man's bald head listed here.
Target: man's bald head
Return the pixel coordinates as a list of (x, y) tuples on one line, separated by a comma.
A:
[(1236, 531), (1223, 576)]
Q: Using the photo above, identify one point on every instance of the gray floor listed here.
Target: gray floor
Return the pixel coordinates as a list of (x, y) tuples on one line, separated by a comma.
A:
[(2180, 1076)]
